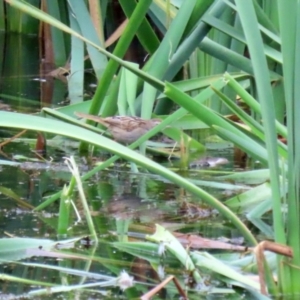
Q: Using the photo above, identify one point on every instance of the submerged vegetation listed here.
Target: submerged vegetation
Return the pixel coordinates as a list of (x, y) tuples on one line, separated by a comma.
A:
[(227, 66)]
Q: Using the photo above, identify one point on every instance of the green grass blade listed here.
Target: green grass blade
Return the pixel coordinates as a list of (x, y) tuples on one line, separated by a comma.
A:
[(76, 78), (87, 29), (191, 43), (145, 33), (248, 18), (58, 42), (161, 60)]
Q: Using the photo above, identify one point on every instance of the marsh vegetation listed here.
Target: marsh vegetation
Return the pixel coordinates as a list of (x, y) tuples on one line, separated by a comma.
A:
[(192, 184)]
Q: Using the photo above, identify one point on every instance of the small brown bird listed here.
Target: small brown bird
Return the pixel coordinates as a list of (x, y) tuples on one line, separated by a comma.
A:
[(124, 129)]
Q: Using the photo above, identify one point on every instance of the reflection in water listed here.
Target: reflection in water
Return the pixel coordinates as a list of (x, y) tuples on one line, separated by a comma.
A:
[(209, 162), (128, 206)]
